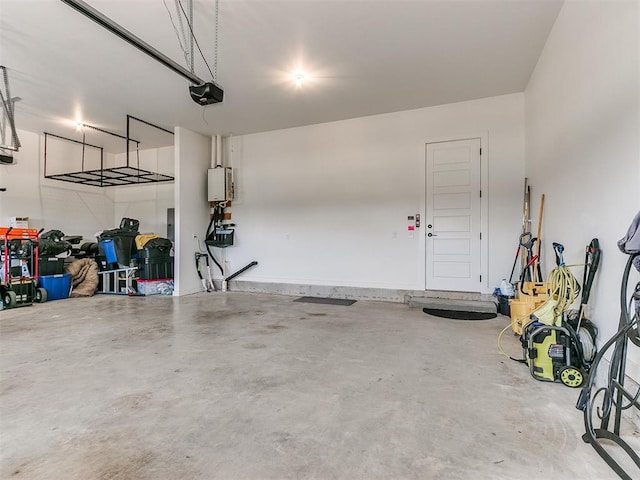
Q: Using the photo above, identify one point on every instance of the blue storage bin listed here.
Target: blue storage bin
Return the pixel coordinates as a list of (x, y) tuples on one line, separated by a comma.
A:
[(57, 286), (117, 249), (109, 248)]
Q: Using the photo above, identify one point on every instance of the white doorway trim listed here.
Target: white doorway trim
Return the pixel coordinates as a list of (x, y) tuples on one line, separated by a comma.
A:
[(484, 203)]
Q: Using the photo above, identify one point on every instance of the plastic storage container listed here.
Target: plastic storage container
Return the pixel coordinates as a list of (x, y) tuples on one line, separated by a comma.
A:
[(156, 247), (108, 250), (117, 249), (154, 268), (50, 266), (162, 286), (503, 305), (57, 286)]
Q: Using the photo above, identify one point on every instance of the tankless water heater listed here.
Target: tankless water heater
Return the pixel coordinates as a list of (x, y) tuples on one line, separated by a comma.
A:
[(220, 184)]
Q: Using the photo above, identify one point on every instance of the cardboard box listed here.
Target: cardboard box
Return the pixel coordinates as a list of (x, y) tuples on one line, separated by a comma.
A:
[(530, 297), (19, 222)]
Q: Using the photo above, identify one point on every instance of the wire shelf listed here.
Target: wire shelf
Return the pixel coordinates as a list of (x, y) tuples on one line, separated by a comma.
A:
[(113, 176)]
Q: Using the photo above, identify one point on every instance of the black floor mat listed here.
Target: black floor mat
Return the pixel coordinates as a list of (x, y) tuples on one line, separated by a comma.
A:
[(325, 301), (459, 314)]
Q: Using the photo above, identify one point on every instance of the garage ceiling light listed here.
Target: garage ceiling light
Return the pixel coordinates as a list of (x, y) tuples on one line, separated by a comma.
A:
[(299, 77)]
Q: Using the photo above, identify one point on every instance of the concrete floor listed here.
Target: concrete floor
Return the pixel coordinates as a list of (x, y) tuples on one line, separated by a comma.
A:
[(250, 386)]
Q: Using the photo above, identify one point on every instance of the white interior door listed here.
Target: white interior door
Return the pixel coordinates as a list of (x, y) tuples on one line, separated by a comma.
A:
[(452, 216)]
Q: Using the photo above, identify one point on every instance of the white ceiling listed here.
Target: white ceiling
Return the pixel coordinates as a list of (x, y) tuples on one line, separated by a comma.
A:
[(364, 58)]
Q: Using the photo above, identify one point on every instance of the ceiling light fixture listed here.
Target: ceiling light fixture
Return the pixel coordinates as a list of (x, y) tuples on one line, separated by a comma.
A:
[(299, 78)]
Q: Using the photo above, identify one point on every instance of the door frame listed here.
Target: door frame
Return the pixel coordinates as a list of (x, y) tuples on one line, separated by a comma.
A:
[(484, 204)]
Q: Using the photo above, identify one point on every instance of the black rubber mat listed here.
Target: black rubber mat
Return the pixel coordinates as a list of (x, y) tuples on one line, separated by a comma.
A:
[(326, 301), (459, 314)]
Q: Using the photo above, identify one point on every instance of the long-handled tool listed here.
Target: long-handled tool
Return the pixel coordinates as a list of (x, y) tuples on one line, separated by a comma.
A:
[(207, 283), (591, 263), (526, 215), (515, 262), (537, 261), (526, 223), (528, 271)]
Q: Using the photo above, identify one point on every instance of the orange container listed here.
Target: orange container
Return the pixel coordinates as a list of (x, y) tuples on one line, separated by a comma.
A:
[(530, 297), (14, 233)]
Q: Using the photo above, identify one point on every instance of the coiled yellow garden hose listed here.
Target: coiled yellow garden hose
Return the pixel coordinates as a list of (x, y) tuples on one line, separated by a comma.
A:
[(563, 290)]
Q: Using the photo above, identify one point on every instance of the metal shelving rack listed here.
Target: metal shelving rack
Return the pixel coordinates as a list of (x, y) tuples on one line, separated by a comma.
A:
[(108, 177)]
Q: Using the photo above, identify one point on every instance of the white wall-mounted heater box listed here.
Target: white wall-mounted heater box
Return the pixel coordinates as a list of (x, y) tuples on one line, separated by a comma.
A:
[(220, 184)]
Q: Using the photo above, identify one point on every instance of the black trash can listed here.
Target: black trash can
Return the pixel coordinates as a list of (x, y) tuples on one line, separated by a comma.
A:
[(123, 242), (503, 305)]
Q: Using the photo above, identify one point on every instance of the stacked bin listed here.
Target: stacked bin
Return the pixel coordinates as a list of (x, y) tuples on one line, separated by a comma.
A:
[(52, 245), (117, 246), (57, 286), (155, 261), (121, 243)]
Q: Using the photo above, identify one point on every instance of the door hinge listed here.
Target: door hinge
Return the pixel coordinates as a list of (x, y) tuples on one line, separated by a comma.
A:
[(481, 151), (480, 235), (480, 193), (481, 278)]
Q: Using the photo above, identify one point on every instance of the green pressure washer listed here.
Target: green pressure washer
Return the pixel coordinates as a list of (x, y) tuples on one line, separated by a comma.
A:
[(552, 355), (558, 346)]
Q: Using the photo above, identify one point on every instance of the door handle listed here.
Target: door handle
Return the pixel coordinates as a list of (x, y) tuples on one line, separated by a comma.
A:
[(431, 234)]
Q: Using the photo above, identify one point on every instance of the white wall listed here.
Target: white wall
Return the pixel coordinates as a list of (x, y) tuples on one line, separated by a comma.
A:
[(147, 203), (583, 141), (328, 204), (192, 159)]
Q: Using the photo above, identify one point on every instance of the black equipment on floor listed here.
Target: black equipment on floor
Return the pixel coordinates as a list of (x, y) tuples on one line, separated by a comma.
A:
[(615, 397)]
